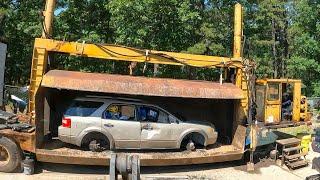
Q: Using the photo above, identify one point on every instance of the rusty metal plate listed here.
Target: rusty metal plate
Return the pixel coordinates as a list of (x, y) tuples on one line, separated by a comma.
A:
[(133, 85), (67, 155), (58, 152), (25, 140)]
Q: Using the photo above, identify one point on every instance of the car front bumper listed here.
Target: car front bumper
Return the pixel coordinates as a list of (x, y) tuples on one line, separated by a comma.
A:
[(212, 138)]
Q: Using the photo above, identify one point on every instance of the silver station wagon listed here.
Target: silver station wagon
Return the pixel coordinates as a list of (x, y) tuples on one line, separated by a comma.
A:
[(101, 123)]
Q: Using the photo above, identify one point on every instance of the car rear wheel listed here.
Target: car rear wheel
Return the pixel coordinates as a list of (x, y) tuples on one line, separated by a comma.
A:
[(96, 142)]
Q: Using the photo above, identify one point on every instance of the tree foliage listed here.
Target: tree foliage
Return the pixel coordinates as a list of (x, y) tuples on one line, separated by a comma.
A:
[(282, 36)]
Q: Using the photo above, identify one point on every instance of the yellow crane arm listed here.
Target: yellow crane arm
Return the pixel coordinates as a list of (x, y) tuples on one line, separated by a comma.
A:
[(115, 52), (123, 53)]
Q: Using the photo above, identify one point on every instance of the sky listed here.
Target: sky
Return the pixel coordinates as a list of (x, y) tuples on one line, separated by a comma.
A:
[(58, 11)]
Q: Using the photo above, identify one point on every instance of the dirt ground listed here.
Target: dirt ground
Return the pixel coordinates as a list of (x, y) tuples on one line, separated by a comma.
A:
[(264, 169)]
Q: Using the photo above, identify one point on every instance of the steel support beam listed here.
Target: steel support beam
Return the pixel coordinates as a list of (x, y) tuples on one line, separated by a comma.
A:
[(3, 54)]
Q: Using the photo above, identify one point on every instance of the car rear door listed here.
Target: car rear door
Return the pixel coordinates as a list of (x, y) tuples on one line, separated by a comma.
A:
[(156, 130), (120, 121)]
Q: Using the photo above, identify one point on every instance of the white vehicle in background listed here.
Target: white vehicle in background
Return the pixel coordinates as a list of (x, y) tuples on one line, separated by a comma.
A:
[(100, 123)]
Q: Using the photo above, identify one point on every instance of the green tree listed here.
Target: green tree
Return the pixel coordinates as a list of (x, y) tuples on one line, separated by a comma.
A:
[(266, 30), (281, 35), (4, 8), (21, 25), (83, 20), (304, 45), (157, 24)]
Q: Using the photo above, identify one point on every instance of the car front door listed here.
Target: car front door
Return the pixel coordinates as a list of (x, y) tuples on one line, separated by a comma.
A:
[(120, 121), (156, 130)]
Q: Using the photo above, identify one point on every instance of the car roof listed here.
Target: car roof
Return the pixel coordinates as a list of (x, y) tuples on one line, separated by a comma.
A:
[(109, 99)]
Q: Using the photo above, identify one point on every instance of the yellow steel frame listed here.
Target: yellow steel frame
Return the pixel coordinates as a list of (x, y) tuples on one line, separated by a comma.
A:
[(43, 46), (120, 53), (123, 53)]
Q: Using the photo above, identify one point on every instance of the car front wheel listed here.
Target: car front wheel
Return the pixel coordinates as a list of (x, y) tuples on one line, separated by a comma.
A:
[(192, 141)]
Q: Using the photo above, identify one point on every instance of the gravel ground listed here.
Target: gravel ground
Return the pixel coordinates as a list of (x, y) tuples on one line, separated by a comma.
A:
[(265, 169)]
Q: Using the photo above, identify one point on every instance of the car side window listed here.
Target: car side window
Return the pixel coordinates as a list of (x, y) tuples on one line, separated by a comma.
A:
[(122, 112), (82, 108), (151, 114)]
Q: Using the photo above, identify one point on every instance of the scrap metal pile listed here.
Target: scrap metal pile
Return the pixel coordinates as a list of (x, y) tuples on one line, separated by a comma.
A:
[(12, 121)]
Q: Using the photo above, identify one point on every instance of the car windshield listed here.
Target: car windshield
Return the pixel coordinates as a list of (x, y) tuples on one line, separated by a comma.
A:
[(82, 108), (179, 116)]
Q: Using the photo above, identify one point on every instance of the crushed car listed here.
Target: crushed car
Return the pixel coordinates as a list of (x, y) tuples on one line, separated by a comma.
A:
[(103, 123)]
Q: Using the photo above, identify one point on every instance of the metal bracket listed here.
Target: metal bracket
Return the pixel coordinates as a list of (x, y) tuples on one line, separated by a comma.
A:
[(126, 165), (80, 48)]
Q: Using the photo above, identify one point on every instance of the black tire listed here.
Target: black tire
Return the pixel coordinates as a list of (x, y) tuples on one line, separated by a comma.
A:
[(192, 138), (96, 138), (10, 155), (184, 142)]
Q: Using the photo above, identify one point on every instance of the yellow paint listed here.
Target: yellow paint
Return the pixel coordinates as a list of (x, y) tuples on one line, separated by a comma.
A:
[(39, 63), (305, 143), (296, 102), (273, 108), (122, 53), (237, 38), (304, 114), (240, 80)]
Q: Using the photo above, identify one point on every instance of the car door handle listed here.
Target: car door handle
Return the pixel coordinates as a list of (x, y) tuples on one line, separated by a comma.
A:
[(108, 125), (147, 127)]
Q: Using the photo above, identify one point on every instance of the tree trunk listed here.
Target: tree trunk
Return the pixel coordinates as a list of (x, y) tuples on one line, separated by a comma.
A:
[(274, 50), (286, 48)]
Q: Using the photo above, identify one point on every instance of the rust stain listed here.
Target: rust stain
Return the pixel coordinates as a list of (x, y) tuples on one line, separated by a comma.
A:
[(58, 152), (133, 85), (25, 140)]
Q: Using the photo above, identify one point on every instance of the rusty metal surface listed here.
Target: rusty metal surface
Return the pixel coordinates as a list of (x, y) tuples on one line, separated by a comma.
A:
[(58, 152), (73, 156), (239, 137), (120, 84), (25, 140)]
